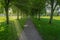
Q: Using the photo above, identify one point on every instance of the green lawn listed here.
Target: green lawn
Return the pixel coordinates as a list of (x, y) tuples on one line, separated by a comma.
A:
[(7, 33), (11, 32), (48, 31)]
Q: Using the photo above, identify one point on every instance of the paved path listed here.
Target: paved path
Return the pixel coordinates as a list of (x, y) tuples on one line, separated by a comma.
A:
[(29, 32)]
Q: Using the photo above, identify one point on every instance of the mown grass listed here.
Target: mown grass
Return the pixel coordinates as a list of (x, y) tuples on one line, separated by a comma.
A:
[(48, 31), (10, 32)]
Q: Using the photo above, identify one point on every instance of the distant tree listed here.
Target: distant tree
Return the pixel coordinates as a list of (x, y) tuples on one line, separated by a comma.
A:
[(1, 8), (37, 7)]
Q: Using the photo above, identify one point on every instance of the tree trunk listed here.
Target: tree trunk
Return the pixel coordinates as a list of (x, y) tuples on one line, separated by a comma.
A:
[(45, 13), (36, 16), (39, 15), (7, 17), (51, 17), (57, 14), (18, 16), (6, 10), (52, 11), (21, 15)]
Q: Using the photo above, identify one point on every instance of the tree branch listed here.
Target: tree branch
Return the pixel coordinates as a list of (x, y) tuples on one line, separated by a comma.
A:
[(55, 6)]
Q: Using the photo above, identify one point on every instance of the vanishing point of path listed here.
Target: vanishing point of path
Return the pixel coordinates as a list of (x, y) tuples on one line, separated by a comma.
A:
[(29, 32)]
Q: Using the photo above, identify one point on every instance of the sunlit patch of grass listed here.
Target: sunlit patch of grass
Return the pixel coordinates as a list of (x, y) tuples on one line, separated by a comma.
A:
[(57, 17), (45, 17), (13, 18), (2, 19), (54, 17)]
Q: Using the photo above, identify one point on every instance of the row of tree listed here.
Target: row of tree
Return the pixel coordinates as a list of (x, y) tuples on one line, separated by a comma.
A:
[(28, 7)]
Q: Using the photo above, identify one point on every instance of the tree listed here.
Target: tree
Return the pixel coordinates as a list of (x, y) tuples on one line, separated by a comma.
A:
[(7, 10), (53, 4), (5, 4), (38, 6), (16, 11), (1, 8)]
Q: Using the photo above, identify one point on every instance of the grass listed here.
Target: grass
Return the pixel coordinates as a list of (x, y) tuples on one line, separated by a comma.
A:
[(2, 19), (48, 31), (22, 22), (11, 32), (7, 33), (19, 24)]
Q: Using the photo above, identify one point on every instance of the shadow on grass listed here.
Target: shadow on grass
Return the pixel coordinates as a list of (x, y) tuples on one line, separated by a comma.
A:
[(48, 31), (7, 33)]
